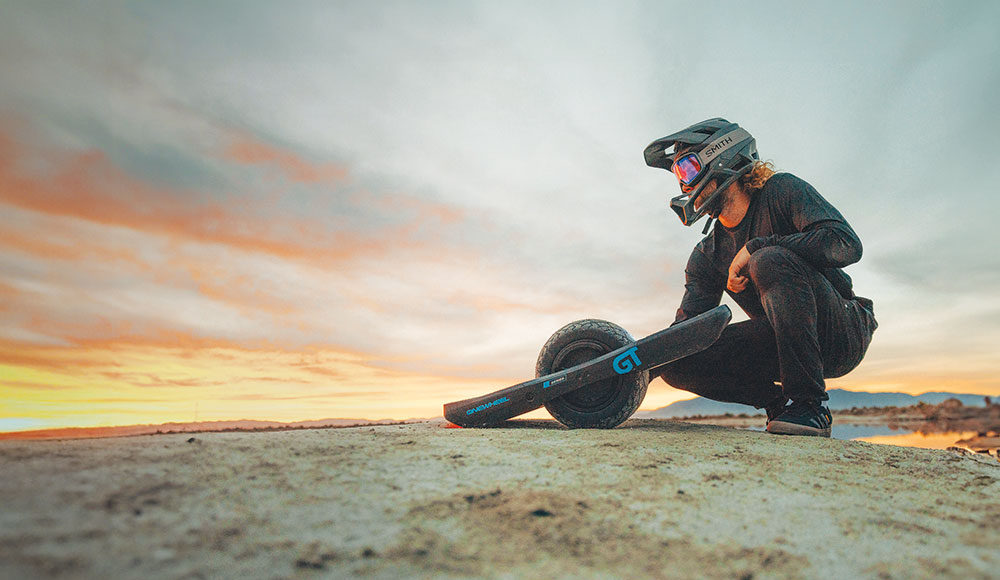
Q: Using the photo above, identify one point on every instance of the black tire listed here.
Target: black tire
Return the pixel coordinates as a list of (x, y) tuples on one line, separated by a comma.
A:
[(600, 405)]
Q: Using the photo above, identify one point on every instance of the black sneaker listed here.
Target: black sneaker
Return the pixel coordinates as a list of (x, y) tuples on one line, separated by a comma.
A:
[(802, 418), (775, 409)]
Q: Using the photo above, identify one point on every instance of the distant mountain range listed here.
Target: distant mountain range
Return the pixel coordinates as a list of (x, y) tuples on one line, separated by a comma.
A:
[(840, 399)]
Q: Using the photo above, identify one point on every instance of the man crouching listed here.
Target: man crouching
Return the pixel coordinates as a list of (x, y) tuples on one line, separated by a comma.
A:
[(778, 249)]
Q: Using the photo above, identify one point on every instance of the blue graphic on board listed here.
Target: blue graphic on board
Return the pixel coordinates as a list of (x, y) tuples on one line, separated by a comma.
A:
[(549, 383), (483, 407), (623, 363)]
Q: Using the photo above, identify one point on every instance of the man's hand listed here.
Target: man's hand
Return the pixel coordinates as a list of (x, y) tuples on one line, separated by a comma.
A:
[(737, 281)]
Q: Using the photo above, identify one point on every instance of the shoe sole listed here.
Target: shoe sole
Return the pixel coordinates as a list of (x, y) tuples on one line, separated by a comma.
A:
[(782, 428)]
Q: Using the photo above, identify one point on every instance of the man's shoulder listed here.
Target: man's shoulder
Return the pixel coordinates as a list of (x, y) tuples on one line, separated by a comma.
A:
[(706, 244), (785, 193), (785, 187), (704, 254), (705, 248), (785, 181)]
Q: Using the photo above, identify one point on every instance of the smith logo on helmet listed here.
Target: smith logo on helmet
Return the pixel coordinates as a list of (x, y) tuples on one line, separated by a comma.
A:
[(718, 146), (723, 143)]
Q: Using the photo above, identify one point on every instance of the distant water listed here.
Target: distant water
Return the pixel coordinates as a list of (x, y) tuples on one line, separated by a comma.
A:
[(925, 440), (865, 431), (886, 435), (847, 432)]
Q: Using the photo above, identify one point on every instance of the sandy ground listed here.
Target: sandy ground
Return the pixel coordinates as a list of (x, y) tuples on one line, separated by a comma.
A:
[(653, 498)]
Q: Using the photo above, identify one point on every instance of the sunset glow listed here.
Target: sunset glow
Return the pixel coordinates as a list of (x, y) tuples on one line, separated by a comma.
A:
[(279, 220)]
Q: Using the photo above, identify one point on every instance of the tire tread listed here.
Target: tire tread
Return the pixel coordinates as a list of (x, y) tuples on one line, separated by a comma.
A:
[(607, 332)]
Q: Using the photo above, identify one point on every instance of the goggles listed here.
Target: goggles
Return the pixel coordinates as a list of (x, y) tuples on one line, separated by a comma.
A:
[(687, 169)]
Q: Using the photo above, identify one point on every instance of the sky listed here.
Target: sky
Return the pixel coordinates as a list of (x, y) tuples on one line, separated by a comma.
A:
[(287, 211)]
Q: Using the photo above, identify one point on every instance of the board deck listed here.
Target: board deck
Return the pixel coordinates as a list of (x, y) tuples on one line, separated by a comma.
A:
[(644, 355)]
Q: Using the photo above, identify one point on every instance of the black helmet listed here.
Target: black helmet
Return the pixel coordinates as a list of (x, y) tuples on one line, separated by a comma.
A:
[(721, 150)]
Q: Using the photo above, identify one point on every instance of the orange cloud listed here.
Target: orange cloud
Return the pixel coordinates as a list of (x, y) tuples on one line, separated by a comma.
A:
[(241, 290), (86, 185), (44, 357), (393, 203), (7, 292), (57, 246), (249, 151), (39, 247)]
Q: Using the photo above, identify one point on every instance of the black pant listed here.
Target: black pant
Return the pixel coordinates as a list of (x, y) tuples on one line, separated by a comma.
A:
[(810, 332)]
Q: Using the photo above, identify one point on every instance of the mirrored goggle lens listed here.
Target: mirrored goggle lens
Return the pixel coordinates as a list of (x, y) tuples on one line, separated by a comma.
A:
[(687, 168)]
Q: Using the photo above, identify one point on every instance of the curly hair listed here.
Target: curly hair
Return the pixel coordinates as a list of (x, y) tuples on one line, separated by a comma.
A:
[(758, 175)]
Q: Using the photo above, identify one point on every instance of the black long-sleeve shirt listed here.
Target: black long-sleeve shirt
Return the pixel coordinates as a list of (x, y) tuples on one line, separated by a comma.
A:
[(786, 212)]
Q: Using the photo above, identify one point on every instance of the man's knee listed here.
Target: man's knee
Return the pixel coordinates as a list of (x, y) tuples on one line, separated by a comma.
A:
[(773, 264), (676, 374)]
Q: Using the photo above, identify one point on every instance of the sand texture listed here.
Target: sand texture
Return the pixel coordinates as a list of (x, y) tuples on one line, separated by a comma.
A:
[(651, 499)]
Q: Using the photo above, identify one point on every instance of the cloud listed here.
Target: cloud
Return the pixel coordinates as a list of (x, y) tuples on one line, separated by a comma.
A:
[(87, 185), (249, 151), (407, 270)]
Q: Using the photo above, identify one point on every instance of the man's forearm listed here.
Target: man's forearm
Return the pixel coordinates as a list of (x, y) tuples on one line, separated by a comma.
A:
[(828, 245)]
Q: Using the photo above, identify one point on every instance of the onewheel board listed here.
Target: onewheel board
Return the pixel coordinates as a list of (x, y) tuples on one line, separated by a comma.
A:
[(644, 355)]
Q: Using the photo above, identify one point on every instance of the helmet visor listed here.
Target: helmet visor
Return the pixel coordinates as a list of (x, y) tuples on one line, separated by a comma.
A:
[(687, 168)]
